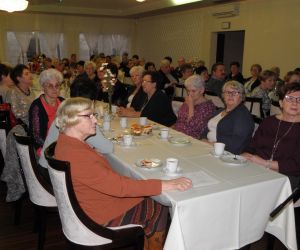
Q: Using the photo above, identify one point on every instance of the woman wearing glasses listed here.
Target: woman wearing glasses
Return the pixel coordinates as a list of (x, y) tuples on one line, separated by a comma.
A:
[(108, 198), (157, 106), (276, 143), (233, 125), (43, 109)]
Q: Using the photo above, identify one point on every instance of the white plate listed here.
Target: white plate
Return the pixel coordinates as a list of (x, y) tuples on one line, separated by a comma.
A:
[(212, 152), (180, 140), (132, 145), (234, 160), (177, 173), (151, 163), (164, 139)]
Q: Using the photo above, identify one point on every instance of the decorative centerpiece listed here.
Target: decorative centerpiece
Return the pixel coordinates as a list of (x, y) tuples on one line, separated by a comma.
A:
[(108, 84)]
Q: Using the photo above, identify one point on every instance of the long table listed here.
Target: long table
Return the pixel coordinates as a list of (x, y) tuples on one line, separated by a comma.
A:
[(227, 208)]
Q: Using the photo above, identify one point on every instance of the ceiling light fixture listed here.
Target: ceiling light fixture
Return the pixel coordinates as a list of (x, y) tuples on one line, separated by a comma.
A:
[(13, 5), (140, 1), (180, 2)]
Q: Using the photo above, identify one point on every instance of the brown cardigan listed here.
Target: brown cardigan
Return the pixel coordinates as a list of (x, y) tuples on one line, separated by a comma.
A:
[(102, 193)]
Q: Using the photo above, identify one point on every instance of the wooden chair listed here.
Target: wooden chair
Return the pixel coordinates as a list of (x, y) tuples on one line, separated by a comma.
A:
[(79, 229), (254, 105), (275, 108), (180, 89), (217, 101), (40, 193)]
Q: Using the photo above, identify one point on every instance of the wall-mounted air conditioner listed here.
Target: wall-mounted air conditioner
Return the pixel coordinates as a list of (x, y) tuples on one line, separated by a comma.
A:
[(226, 11)]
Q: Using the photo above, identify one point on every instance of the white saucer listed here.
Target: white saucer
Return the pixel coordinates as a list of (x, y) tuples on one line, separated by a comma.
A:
[(234, 160), (164, 139), (177, 173), (212, 152), (179, 141), (132, 145)]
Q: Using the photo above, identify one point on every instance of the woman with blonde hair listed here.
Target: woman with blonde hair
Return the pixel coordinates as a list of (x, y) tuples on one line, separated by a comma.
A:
[(92, 177)]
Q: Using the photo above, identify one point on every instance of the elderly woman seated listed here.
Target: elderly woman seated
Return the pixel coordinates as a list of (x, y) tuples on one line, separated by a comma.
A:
[(137, 97), (233, 125), (195, 112), (92, 177), (276, 143), (157, 106), (267, 83), (43, 109), (19, 96)]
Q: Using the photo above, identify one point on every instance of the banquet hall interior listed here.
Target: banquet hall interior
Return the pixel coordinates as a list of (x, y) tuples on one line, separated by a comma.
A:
[(202, 32)]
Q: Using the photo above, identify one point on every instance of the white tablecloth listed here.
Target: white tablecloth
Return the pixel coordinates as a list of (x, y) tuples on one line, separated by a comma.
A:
[(229, 206)]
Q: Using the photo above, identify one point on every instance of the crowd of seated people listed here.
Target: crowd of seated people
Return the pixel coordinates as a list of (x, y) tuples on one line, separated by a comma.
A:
[(150, 94)]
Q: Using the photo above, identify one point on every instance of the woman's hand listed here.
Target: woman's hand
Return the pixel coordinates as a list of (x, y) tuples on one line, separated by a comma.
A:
[(260, 161), (180, 184), (189, 101)]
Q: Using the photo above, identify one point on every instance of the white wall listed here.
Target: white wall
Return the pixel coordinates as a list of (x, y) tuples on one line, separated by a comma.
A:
[(271, 34)]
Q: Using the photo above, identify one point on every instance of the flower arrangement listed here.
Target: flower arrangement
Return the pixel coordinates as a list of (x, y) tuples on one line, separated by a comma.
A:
[(108, 84)]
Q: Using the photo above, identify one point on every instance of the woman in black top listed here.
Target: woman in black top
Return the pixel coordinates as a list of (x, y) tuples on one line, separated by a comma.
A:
[(157, 106)]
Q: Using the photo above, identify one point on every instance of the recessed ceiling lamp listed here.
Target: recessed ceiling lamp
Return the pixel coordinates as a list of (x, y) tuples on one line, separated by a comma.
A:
[(13, 5), (140, 1), (180, 2)]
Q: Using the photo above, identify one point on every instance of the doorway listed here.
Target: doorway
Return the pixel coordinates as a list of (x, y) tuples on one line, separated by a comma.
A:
[(229, 47)]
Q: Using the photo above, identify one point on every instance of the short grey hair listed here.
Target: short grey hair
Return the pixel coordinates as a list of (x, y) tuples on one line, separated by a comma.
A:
[(139, 69), (88, 63), (195, 81), (68, 110), (237, 86), (50, 74)]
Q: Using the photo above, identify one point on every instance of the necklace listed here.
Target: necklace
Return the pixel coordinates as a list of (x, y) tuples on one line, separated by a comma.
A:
[(24, 92), (278, 140)]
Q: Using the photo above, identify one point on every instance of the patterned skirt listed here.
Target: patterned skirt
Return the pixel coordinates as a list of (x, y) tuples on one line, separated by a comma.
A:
[(148, 213)]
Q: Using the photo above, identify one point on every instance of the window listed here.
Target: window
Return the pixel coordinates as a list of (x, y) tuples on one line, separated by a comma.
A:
[(23, 46), (108, 44)]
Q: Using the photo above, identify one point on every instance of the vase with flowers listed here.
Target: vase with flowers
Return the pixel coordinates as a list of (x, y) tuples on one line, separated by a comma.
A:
[(108, 84)]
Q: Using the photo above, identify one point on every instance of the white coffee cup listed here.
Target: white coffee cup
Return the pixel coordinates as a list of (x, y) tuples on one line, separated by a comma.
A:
[(106, 125), (171, 165), (127, 140), (123, 122), (143, 121), (164, 133), (114, 109), (219, 148)]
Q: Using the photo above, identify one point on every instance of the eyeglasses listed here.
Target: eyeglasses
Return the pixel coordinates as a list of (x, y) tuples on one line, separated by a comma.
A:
[(292, 99), (231, 93), (90, 115), (50, 86), (144, 81)]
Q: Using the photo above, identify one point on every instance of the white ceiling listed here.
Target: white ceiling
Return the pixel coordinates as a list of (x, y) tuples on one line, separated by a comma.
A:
[(114, 8)]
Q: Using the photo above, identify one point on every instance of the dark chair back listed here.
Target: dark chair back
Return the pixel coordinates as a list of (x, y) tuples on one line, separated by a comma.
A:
[(254, 106)]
